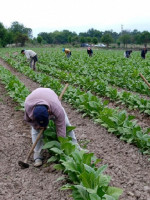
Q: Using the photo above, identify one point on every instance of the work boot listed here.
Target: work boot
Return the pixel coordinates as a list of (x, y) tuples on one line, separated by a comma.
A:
[(38, 162)]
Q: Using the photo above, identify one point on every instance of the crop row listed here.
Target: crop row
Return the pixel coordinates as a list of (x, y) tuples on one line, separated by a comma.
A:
[(98, 86), (106, 66), (115, 121), (89, 182)]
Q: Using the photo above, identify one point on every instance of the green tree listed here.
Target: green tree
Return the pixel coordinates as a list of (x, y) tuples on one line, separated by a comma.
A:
[(89, 39), (69, 39), (82, 39), (39, 39), (114, 35), (125, 39), (107, 39), (95, 40), (118, 42), (135, 36), (57, 37), (145, 38), (94, 33), (21, 38), (75, 39), (16, 27), (3, 35), (47, 37)]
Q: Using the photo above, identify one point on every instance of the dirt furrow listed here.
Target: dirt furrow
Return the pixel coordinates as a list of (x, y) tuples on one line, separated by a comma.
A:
[(15, 183), (128, 168)]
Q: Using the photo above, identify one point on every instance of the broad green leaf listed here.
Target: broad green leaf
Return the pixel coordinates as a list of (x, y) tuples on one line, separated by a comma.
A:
[(51, 144), (94, 197), (58, 167), (69, 128), (114, 192), (60, 179), (56, 150), (82, 191), (52, 159), (68, 148), (71, 165), (101, 169), (104, 180), (87, 158), (108, 197)]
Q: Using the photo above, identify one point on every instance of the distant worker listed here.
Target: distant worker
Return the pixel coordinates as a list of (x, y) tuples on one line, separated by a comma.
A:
[(127, 53), (89, 51), (31, 57), (67, 52), (143, 52)]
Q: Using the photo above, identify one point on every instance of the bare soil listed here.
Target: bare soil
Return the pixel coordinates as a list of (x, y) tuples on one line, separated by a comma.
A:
[(129, 169)]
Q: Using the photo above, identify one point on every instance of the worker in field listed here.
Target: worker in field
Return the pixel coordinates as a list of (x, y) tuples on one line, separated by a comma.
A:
[(67, 52), (31, 57), (41, 106), (127, 53), (89, 51), (144, 52)]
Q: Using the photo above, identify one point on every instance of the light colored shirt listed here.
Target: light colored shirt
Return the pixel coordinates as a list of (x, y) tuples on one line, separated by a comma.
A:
[(46, 96), (29, 54)]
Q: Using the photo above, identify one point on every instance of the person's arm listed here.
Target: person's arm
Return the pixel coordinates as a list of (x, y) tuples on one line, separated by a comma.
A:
[(60, 123), (27, 55), (26, 117), (60, 127)]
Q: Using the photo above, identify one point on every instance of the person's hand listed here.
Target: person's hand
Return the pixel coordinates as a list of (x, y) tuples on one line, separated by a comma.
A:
[(37, 127), (43, 128)]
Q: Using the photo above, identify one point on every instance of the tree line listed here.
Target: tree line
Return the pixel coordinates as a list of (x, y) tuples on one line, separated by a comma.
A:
[(19, 34)]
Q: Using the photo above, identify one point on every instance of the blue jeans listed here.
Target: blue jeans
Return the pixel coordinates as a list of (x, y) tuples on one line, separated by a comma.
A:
[(33, 61)]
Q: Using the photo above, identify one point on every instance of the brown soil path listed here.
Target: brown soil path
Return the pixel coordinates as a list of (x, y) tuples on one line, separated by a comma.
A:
[(15, 183), (128, 168)]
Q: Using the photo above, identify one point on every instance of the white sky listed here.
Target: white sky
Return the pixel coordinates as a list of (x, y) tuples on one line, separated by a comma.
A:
[(76, 15)]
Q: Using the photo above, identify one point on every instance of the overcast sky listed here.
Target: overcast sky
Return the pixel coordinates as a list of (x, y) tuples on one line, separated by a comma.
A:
[(76, 15)]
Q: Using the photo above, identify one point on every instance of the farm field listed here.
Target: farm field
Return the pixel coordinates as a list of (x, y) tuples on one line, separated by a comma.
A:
[(106, 100)]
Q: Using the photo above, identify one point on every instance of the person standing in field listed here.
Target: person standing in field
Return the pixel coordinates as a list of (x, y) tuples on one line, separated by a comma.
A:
[(127, 53), (67, 52), (41, 106), (89, 51), (143, 52), (31, 57)]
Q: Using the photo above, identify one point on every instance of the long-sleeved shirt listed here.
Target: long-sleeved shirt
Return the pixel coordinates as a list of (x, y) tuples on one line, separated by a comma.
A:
[(143, 52), (89, 51), (29, 54), (46, 96)]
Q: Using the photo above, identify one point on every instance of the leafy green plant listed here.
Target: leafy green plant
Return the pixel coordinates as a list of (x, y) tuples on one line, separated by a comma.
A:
[(87, 180)]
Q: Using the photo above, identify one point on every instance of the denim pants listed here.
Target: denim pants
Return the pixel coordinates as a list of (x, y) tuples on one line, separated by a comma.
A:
[(32, 64), (38, 147), (33, 61), (68, 55)]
